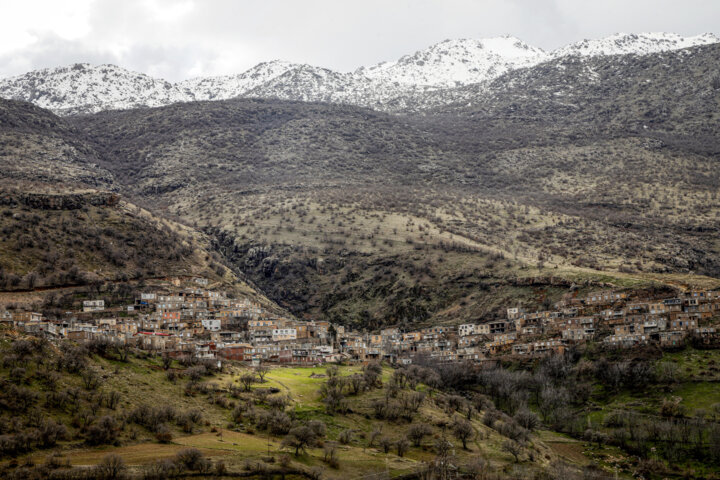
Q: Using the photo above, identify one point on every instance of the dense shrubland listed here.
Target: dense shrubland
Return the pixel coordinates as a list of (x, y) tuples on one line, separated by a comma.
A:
[(573, 393)]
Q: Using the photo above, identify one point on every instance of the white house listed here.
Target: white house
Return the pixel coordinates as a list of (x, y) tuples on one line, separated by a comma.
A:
[(280, 334), (93, 305), (211, 325), (466, 329)]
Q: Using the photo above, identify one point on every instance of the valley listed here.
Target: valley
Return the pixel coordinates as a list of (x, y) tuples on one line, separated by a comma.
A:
[(482, 260)]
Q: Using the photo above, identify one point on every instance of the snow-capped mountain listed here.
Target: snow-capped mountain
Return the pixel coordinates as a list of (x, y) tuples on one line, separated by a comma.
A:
[(231, 86), (637, 44), (307, 83), (313, 84), (82, 88), (415, 81), (429, 77), (453, 63)]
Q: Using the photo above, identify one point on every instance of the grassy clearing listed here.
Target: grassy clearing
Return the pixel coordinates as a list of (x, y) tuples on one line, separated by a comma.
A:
[(235, 443), (698, 396), (241, 446), (696, 364)]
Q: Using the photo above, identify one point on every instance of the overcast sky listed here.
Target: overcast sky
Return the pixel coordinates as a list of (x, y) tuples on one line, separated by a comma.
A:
[(178, 39)]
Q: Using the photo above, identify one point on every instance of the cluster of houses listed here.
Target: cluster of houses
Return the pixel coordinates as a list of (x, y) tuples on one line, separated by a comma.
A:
[(614, 319), (185, 317)]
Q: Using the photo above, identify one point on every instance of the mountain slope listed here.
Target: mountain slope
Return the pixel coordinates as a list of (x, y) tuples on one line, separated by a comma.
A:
[(672, 94), (36, 146), (571, 173), (302, 197), (258, 144), (312, 84), (630, 141), (231, 86), (344, 213)]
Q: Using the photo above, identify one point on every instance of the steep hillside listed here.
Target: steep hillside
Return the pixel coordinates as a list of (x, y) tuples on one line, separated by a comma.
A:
[(64, 239), (64, 223), (256, 144), (37, 146), (630, 142), (667, 95)]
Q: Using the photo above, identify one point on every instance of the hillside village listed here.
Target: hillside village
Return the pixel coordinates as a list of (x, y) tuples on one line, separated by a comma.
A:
[(183, 317)]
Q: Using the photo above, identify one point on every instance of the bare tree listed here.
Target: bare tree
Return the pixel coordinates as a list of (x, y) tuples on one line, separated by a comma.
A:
[(386, 444), (402, 446), (111, 467), (512, 447), (247, 380), (417, 432), (463, 431), (261, 371)]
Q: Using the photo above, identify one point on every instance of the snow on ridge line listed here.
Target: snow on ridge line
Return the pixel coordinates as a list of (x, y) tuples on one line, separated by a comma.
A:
[(83, 88), (638, 44)]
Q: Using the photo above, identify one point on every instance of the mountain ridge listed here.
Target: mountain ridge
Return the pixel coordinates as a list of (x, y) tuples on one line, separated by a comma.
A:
[(389, 86)]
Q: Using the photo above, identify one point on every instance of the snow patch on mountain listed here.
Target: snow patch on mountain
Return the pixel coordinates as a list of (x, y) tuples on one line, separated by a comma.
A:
[(637, 44), (83, 88), (231, 86)]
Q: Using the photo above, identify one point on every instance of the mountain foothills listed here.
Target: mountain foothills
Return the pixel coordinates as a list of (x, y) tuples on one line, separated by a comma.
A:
[(503, 175), (83, 88)]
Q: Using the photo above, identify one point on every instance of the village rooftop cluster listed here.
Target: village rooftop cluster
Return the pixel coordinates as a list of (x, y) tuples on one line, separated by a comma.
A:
[(182, 316)]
